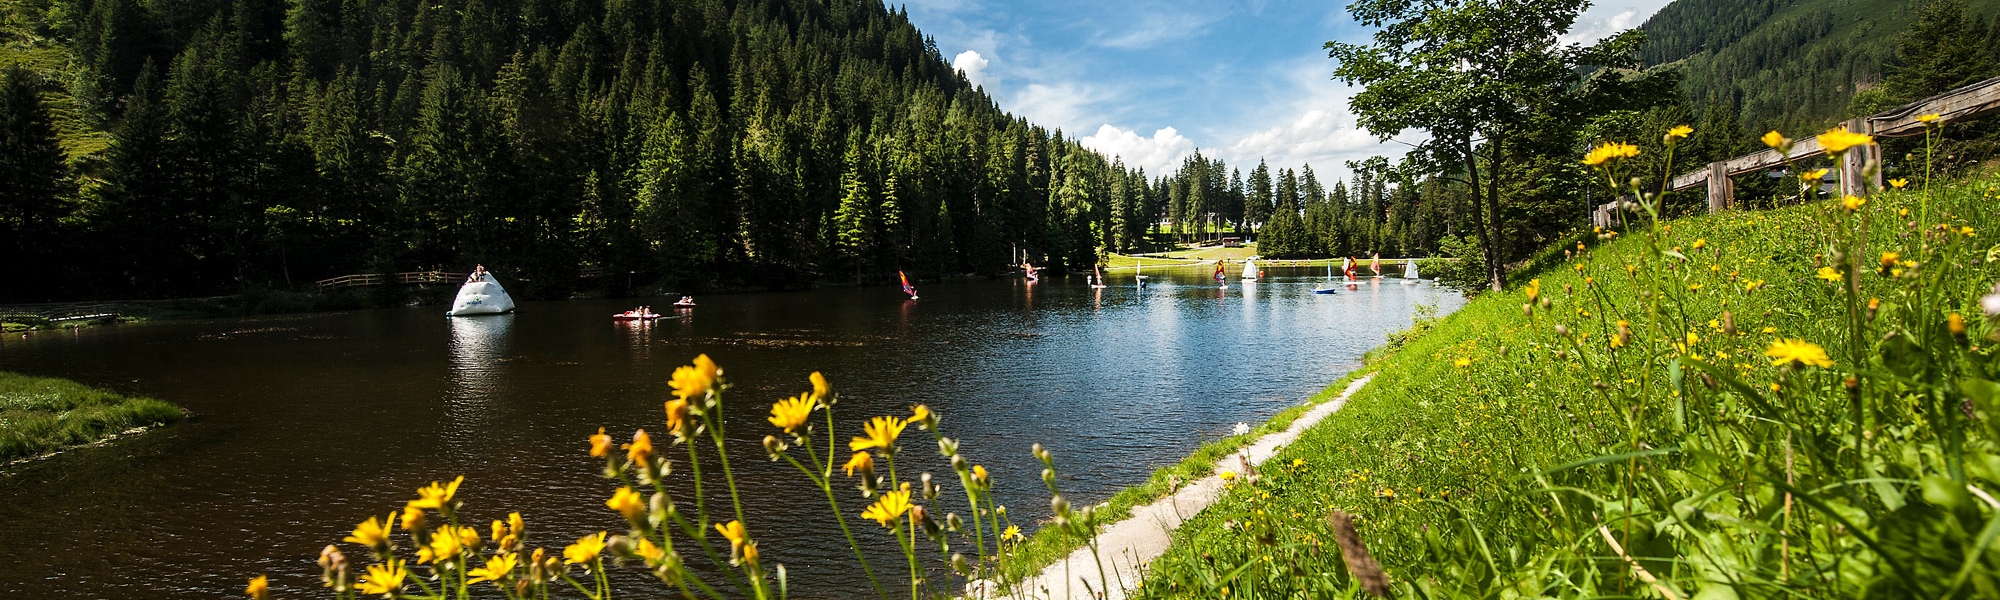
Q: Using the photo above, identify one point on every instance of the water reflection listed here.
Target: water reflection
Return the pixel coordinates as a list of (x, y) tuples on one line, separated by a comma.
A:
[(477, 373)]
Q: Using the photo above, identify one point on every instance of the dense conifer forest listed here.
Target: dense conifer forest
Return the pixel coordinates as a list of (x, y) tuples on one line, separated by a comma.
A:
[(209, 146)]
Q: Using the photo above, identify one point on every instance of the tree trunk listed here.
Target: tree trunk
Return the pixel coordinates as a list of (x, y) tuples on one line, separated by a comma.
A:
[(1479, 213), (1495, 269)]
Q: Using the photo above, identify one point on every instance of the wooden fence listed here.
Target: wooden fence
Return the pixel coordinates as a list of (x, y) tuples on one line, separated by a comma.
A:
[(372, 279), (1963, 103)]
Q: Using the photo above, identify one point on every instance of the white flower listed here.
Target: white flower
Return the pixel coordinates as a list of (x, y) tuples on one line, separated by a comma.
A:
[(1243, 428)]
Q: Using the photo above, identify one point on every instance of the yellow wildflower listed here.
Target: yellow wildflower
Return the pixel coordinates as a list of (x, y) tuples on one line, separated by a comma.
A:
[(1386, 493), (259, 588), (1829, 274), (1797, 351), (1013, 532), (1609, 151), (448, 542), (862, 461), (791, 413), (646, 549), (372, 533), (821, 389), (880, 432), (497, 568), (1776, 141), (627, 502), (1853, 203), (384, 579), (1534, 289), (677, 417), (1678, 132), (1699, 242), (1839, 139), (436, 496), (694, 381), (586, 549), (600, 444), (1899, 182), (641, 449), (1928, 118), (1461, 361), (1226, 475), (1813, 175), (921, 415), (735, 533), (413, 516), (1966, 231), (889, 507)]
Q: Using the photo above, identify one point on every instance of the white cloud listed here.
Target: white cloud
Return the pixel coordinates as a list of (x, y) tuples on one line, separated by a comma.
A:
[(1612, 16), (1064, 104), (1155, 28), (1158, 154), (1326, 137), (972, 65)]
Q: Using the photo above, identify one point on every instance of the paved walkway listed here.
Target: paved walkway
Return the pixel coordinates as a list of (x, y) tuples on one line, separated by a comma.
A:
[(1126, 546)]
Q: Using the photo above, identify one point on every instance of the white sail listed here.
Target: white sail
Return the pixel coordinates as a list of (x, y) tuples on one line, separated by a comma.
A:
[(1249, 268), (482, 296), (1410, 268)]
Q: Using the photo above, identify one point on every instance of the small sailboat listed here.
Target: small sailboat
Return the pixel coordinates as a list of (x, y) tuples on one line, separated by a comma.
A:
[(907, 288), (1030, 269), (1250, 269), (1328, 287), (1142, 273), (1410, 272), (1098, 282), (1347, 271), (1375, 264)]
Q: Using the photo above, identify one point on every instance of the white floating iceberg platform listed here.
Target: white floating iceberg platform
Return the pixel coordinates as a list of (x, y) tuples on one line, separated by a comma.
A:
[(483, 296)]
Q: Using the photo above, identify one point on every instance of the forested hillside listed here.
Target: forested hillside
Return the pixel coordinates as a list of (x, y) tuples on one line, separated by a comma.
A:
[(212, 146), (1789, 64)]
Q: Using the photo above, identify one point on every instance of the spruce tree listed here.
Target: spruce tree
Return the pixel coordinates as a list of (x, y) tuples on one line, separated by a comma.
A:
[(35, 188)]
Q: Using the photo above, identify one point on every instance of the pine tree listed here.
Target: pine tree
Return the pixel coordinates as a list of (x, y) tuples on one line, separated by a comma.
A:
[(35, 188)]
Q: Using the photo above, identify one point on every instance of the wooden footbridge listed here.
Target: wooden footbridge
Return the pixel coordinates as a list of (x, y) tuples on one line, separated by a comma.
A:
[(1964, 103), (374, 279)]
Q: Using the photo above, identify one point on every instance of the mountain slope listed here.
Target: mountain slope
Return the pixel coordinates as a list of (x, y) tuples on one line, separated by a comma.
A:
[(1783, 64)]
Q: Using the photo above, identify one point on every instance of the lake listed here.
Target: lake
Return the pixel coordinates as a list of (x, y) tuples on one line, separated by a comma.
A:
[(307, 424)]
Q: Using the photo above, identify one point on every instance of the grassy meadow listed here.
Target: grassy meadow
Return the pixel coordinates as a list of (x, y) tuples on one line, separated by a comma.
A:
[(1798, 401), (41, 414)]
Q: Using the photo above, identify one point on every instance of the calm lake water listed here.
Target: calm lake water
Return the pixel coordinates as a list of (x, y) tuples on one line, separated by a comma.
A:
[(306, 425)]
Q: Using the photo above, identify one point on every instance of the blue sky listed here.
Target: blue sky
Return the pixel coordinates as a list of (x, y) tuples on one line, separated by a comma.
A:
[(1152, 80)]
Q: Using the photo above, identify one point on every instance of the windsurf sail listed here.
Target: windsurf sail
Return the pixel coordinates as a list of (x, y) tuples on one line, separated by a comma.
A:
[(1347, 267), (1375, 264), (1100, 274), (1218, 271), (1029, 268), (907, 288)]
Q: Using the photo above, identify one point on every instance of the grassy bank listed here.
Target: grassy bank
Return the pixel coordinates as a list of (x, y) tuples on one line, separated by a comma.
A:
[(1622, 428), (42, 414)]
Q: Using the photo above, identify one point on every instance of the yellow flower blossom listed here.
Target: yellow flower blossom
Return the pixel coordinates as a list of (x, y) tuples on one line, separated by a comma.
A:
[(1678, 132), (586, 549), (1853, 203), (259, 588), (1461, 361), (1839, 139), (384, 579), (1899, 182), (1813, 175), (627, 502), (821, 389), (1928, 118), (1776, 141), (889, 507), (1012, 532), (880, 432), (791, 413), (1797, 351), (1966, 231), (735, 533), (862, 461), (436, 496), (497, 568), (372, 533), (1699, 242), (1533, 289), (649, 551), (413, 516), (641, 449), (448, 542), (677, 417), (920, 414), (1226, 475), (1609, 151), (600, 444), (1829, 274), (695, 381)]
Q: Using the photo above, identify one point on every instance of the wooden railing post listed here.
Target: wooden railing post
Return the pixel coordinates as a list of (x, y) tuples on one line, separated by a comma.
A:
[(1855, 180), (1721, 189)]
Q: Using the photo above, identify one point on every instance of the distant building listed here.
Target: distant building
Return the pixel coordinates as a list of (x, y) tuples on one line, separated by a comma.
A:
[(1232, 242)]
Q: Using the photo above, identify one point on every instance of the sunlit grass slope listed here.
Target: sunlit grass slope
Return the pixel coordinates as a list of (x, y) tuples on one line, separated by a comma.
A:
[(1585, 446), (39, 414)]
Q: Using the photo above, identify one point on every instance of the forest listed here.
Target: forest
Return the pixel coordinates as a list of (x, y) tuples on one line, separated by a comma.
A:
[(161, 149)]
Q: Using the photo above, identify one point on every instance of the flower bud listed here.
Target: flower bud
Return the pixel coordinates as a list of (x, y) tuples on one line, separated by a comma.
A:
[(773, 447), (659, 508), (1059, 505), (1528, 309), (1562, 331), (947, 447), (1040, 453), (960, 565), (959, 464), (929, 487), (953, 523), (1049, 476)]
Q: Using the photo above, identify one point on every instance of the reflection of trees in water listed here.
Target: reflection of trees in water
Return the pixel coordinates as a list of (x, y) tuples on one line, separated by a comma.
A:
[(477, 365)]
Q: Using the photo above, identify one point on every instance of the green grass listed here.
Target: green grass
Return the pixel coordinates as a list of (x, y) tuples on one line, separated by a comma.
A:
[(1501, 476), (42, 414)]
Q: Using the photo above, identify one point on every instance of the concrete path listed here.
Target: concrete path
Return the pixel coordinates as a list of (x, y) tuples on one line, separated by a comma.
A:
[(1126, 546)]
